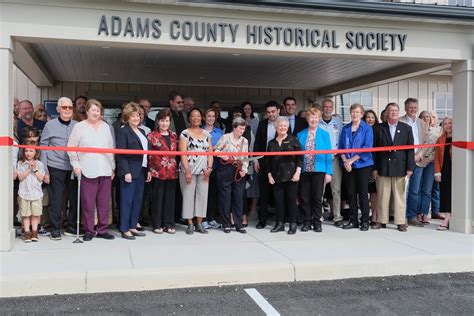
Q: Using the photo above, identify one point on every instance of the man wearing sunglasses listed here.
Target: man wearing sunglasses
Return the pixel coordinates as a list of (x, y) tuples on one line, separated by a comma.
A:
[(58, 169)]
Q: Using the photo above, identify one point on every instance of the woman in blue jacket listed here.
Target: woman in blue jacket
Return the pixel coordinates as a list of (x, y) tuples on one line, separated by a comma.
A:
[(357, 166), (132, 170), (316, 170)]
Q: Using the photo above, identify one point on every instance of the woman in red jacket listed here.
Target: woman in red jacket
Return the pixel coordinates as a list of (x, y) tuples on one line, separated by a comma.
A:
[(443, 166), (164, 172)]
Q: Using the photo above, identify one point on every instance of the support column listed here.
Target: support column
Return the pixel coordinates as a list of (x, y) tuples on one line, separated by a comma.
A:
[(7, 233), (463, 160)]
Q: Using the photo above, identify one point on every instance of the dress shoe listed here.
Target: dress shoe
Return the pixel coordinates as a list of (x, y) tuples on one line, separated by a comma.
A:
[(306, 227), (414, 222), (201, 229), (279, 227), (105, 236), (125, 236), (261, 225), (293, 228), (317, 227), (364, 227), (190, 230), (350, 225), (378, 226), (402, 228), (437, 216), (339, 223), (242, 231), (138, 233)]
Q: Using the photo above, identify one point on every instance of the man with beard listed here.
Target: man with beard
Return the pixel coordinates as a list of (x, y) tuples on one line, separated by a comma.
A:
[(25, 113)]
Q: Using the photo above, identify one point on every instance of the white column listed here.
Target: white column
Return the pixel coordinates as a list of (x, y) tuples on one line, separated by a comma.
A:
[(7, 233), (463, 160)]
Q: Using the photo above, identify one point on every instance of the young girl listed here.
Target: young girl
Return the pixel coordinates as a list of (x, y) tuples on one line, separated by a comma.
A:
[(30, 195)]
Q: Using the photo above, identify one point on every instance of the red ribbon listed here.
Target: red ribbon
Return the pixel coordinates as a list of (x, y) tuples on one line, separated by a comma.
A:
[(8, 141)]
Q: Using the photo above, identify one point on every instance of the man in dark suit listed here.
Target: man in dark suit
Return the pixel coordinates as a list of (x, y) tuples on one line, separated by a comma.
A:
[(392, 167), (146, 104), (297, 124), (265, 133)]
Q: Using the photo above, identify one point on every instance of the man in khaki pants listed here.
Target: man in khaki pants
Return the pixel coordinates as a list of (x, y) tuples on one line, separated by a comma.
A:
[(333, 125), (392, 167)]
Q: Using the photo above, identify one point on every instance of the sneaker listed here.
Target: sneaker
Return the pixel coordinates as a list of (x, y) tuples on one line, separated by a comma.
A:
[(55, 235), (71, 232), (88, 236), (34, 235), (214, 225), (27, 236), (205, 225), (43, 232), (107, 236)]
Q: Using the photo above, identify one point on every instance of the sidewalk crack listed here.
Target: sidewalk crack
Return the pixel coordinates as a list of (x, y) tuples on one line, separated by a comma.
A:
[(290, 261)]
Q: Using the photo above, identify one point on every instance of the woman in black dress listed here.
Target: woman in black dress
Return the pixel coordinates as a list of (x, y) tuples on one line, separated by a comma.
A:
[(371, 118), (443, 167)]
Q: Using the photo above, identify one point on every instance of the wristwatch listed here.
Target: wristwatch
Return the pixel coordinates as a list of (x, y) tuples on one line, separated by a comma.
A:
[(35, 171)]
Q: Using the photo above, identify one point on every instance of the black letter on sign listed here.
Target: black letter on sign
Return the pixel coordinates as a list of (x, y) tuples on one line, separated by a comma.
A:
[(155, 24), (116, 25), (350, 40), (173, 24), (128, 28), (103, 26), (143, 30)]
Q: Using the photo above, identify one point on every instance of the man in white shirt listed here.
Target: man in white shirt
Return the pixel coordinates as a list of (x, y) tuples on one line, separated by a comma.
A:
[(333, 125), (419, 130)]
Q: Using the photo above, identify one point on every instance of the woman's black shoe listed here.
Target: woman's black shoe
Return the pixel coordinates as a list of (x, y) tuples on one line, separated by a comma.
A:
[(242, 231), (125, 236), (292, 230), (138, 234), (317, 227), (364, 227), (350, 225), (279, 227), (306, 227)]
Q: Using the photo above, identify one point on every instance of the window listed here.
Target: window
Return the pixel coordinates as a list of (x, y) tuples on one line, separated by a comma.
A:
[(443, 104), (345, 101)]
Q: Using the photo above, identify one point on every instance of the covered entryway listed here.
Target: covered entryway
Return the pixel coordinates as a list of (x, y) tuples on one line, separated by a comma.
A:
[(68, 50)]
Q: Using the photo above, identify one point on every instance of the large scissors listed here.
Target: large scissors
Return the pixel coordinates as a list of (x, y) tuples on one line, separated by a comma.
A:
[(238, 164)]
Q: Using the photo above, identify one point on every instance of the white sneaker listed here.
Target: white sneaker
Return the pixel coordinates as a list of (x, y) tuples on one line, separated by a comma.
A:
[(205, 225)]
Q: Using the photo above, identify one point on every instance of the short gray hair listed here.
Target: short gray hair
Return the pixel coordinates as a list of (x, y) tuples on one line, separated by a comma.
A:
[(238, 121), (281, 119), (63, 100)]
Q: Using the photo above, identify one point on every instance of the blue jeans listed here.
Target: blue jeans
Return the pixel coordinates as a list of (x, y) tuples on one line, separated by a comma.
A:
[(419, 191), (435, 198)]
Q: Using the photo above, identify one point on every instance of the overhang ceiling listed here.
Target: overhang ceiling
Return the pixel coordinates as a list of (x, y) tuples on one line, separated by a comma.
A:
[(203, 68)]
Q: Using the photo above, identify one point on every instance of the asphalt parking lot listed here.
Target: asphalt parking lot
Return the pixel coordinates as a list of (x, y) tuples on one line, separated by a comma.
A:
[(434, 294)]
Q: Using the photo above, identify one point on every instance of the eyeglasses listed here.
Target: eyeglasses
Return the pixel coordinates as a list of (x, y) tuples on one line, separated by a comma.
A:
[(66, 107)]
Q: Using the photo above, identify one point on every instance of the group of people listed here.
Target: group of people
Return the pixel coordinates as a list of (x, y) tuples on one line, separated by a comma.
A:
[(217, 183)]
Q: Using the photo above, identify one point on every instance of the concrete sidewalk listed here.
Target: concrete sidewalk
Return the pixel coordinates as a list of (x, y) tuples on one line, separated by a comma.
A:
[(178, 261)]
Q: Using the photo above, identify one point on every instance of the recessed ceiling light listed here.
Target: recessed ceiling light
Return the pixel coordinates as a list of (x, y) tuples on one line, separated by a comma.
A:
[(202, 78), (105, 47), (235, 54), (104, 74)]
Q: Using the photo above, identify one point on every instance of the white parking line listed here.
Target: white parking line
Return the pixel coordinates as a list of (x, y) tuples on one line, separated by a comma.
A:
[(262, 302)]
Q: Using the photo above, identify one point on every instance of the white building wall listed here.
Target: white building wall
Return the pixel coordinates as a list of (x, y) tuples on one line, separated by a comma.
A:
[(423, 88)]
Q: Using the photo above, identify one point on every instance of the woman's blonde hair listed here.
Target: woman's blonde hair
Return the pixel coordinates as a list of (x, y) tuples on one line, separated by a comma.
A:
[(129, 109)]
